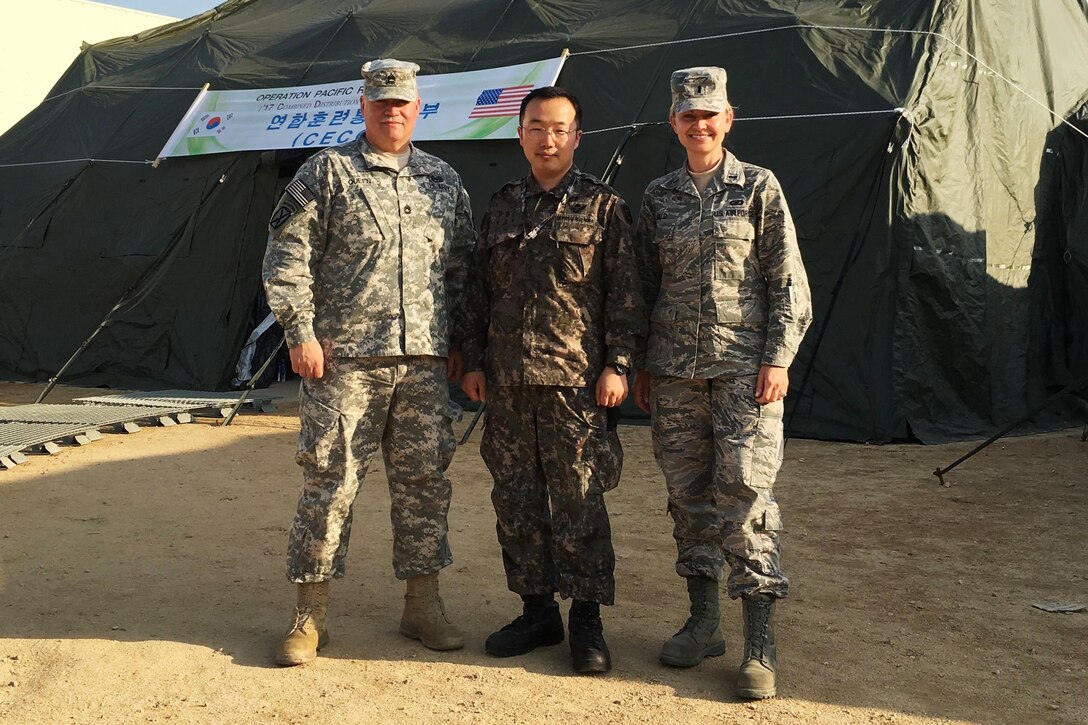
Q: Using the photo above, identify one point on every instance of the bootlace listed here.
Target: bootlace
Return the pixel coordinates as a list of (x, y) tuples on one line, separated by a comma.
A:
[(698, 602), (690, 625), (526, 619), (759, 615), (442, 609), (431, 593), (301, 615), (699, 615), (586, 626)]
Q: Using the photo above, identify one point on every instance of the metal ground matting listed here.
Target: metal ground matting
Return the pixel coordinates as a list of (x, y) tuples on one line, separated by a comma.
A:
[(24, 428), (19, 437), (185, 399), (88, 416), (39, 427), (15, 437)]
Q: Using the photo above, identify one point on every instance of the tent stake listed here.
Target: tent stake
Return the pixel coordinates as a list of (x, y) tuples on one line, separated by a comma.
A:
[(142, 286), (56, 378), (252, 383), (472, 423), (1075, 385)]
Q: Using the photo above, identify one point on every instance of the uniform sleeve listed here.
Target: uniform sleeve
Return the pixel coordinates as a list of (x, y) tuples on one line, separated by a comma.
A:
[(649, 264), (477, 308), (625, 312), (459, 267), (789, 303), (297, 235)]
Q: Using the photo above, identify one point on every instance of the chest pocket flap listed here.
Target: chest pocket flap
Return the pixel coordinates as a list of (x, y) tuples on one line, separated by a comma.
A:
[(734, 227), (580, 229), (500, 234), (367, 209)]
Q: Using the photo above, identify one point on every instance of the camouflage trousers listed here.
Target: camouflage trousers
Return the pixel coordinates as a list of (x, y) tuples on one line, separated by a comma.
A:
[(720, 452), (401, 404), (552, 459)]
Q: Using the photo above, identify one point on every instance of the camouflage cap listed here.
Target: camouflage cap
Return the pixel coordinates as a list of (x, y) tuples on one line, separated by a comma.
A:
[(387, 78), (699, 89)]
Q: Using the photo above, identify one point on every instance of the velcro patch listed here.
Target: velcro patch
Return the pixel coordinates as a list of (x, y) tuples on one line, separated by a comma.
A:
[(296, 196)]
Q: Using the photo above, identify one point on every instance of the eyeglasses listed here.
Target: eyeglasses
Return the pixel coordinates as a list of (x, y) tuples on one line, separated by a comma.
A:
[(539, 133)]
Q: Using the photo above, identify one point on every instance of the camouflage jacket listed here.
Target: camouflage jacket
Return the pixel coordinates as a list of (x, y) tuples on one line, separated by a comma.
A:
[(366, 260), (722, 274), (556, 308)]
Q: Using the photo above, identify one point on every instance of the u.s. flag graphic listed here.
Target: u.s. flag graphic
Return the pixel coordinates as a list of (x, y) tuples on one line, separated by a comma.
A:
[(499, 102)]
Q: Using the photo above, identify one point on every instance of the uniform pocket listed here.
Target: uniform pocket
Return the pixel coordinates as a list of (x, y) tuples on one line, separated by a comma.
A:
[(733, 238), (768, 445), (362, 219), (577, 230), (728, 275), (603, 461), (437, 242), (319, 434), (601, 457), (670, 253), (740, 228), (503, 249), (577, 241)]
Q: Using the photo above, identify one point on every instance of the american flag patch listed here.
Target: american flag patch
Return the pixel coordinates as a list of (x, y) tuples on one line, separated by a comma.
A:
[(499, 102), (299, 192), (295, 197)]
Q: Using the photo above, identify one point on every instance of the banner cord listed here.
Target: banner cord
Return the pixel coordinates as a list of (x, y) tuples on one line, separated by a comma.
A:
[(629, 126), (805, 26), (91, 87)]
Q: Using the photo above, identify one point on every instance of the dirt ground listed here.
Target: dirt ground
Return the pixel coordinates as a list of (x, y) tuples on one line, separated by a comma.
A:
[(142, 580)]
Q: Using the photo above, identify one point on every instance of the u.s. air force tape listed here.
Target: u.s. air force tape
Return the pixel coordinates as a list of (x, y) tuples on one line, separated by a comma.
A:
[(295, 198)]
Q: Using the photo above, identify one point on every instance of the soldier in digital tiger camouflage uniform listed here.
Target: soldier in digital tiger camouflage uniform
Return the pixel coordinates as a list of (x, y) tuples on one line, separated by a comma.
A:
[(554, 318), (367, 257), (729, 300)]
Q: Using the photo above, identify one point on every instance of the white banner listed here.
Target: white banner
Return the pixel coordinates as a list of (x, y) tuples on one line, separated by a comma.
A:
[(472, 105)]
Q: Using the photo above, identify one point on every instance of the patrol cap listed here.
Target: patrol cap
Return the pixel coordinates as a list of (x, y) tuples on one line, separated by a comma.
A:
[(387, 78), (699, 89)]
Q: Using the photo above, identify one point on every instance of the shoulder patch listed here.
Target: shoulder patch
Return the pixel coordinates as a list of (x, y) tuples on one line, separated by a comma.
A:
[(296, 197)]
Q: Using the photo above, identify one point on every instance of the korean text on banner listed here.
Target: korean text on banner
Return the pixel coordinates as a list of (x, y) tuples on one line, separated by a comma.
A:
[(480, 104)]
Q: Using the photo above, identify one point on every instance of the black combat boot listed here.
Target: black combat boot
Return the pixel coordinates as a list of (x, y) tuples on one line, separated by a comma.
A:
[(756, 678), (701, 635), (588, 650), (540, 624)]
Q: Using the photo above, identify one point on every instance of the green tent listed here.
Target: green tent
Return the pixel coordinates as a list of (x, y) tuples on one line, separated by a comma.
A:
[(921, 146)]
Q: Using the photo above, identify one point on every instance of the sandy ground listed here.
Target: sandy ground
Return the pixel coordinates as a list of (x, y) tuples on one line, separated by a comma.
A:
[(141, 580)]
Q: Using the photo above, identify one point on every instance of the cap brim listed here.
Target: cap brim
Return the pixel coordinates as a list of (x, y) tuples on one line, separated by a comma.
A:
[(389, 92), (697, 104)]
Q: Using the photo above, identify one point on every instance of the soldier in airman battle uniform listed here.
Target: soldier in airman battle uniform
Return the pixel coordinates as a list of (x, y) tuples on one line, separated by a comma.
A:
[(368, 254), (554, 318), (729, 300)]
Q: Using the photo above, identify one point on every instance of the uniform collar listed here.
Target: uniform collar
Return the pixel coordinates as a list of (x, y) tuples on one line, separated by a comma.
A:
[(533, 187), (373, 159), (730, 173)]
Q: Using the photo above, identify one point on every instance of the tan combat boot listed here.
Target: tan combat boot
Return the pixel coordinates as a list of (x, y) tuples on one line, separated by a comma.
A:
[(757, 678), (425, 616), (308, 633)]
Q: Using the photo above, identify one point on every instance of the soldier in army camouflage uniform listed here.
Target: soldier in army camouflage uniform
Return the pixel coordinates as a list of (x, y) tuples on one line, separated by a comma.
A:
[(368, 254), (554, 318), (729, 301)]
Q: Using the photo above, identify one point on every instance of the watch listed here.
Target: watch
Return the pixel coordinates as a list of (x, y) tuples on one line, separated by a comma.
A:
[(620, 368)]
